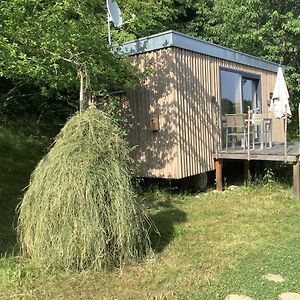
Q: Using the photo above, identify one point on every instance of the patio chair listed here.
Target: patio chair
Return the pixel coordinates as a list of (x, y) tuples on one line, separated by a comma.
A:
[(261, 128), (235, 127)]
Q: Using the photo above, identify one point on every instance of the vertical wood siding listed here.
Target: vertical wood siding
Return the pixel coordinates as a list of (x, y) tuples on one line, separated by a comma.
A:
[(156, 153), (179, 90)]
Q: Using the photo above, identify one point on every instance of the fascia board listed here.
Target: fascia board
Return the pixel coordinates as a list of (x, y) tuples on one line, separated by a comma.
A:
[(179, 40)]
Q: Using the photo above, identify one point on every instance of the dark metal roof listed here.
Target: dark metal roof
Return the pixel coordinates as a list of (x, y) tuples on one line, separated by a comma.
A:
[(180, 40)]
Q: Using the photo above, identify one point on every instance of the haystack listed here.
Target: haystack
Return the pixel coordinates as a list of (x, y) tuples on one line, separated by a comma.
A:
[(80, 210)]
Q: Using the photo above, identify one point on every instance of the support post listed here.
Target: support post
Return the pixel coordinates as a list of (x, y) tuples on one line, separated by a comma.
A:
[(285, 134), (81, 93), (108, 29), (299, 120), (219, 165), (248, 133), (218, 130), (246, 170), (296, 178)]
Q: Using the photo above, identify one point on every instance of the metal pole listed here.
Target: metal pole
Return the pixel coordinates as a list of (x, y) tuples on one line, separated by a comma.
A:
[(108, 29)]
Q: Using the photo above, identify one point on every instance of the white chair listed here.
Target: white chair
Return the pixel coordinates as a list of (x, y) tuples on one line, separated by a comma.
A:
[(235, 127), (261, 127)]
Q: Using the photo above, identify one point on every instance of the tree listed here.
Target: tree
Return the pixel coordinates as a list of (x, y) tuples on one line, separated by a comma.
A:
[(267, 29), (152, 16), (47, 44)]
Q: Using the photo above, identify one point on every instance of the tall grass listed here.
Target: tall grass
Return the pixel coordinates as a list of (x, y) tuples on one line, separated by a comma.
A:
[(80, 210)]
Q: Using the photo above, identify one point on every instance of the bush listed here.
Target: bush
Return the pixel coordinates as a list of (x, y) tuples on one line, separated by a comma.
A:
[(80, 210)]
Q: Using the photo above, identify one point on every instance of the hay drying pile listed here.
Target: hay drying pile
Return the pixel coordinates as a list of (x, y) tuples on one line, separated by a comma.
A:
[(79, 210)]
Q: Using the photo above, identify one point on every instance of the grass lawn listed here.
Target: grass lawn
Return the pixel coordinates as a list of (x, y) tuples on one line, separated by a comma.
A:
[(211, 244)]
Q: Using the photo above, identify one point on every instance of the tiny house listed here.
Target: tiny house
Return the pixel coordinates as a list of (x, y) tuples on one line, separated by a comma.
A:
[(174, 118)]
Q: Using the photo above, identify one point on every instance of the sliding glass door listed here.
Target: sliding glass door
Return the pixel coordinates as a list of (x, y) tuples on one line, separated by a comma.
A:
[(238, 92)]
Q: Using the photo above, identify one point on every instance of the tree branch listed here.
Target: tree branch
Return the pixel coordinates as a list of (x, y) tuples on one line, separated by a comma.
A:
[(11, 91), (69, 60)]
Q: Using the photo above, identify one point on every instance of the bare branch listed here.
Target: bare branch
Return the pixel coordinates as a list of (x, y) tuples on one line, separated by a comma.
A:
[(11, 91), (70, 60), (76, 54)]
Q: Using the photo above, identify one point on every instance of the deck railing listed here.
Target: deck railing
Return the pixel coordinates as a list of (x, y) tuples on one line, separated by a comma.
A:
[(265, 134)]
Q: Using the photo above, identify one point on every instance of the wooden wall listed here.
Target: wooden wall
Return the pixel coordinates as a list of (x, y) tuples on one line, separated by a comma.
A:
[(156, 153), (179, 91)]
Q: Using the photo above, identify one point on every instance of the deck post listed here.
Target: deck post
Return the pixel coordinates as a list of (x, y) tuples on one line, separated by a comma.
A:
[(285, 134), (246, 170), (296, 178), (219, 165), (248, 134)]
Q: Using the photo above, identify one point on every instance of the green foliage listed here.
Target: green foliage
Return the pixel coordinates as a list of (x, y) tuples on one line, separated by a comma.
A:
[(21, 146), (267, 29), (49, 41), (151, 17), (268, 179), (80, 210), (44, 45)]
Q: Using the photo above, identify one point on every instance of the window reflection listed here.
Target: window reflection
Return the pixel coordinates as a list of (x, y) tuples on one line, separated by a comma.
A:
[(238, 93), (231, 92), (249, 92)]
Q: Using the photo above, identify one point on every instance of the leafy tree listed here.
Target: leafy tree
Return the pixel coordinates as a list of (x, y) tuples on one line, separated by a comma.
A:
[(47, 44), (267, 29), (151, 17)]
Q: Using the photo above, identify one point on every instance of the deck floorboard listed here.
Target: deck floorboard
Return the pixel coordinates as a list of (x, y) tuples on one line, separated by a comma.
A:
[(275, 153)]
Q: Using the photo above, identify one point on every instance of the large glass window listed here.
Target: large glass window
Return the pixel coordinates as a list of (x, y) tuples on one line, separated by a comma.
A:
[(231, 92), (238, 92)]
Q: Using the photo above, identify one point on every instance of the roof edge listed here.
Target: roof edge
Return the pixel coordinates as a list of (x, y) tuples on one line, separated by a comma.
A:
[(173, 38), (148, 43)]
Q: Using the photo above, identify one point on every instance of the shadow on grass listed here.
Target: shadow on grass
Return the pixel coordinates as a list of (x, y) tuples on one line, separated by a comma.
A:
[(19, 155), (161, 197), (14, 177), (165, 222)]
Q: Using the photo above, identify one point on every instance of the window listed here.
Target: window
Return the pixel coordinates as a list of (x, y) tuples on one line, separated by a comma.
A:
[(238, 91)]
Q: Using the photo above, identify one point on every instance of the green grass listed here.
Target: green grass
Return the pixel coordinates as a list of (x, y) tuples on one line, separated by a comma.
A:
[(210, 244), (21, 146)]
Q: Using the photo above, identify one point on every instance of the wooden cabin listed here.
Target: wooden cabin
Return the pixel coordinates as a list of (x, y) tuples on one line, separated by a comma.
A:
[(175, 117)]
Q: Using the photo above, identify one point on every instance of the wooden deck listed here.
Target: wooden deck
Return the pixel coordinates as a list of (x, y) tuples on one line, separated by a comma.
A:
[(275, 153)]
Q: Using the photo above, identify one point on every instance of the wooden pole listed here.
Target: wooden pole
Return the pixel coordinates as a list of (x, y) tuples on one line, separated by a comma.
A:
[(299, 120), (81, 96), (219, 165), (246, 170), (296, 178), (285, 134), (248, 134), (218, 129)]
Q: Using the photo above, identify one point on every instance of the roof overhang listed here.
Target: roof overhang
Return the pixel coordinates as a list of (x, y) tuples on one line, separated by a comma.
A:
[(176, 39)]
